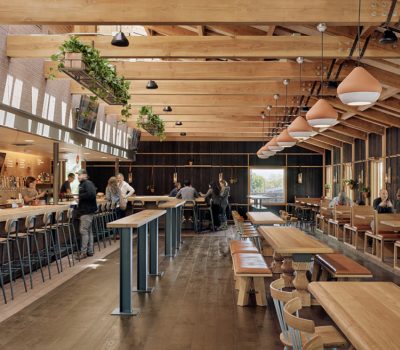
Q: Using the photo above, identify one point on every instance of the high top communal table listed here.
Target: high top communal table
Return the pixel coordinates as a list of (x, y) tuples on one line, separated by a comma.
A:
[(293, 252), (143, 222), (367, 313), (34, 210), (264, 218), (173, 225), (157, 199)]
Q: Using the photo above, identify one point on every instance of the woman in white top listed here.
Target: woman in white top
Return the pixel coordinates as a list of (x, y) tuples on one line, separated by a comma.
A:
[(126, 190)]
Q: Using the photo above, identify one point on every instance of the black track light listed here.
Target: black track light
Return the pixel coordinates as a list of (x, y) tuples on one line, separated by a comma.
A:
[(183, 134), (178, 123), (167, 109), (388, 37), (120, 40), (151, 85)]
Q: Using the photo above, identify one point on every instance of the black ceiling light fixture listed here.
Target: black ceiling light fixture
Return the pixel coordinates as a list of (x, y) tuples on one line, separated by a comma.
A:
[(178, 123), (183, 134), (388, 37), (151, 85), (119, 39), (167, 109)]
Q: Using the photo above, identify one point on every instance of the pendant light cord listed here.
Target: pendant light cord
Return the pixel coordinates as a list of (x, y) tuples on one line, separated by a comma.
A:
[(359, 33), (321, 95)]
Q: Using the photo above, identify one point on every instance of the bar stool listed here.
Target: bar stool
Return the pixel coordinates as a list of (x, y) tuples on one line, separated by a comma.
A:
[(11, 228), (203, 210), (137, 206), (59, 230), (68, 224), (190, 207), (3, 242), (50, 249), (98, 226)]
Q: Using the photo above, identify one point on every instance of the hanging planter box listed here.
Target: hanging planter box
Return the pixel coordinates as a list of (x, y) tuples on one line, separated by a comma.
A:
[(73, 60), (150, 122)]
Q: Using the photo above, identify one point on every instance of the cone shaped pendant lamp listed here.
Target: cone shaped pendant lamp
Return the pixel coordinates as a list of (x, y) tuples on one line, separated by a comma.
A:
[(266, 151), (322, 114), (273, 145), (285, 140), (359, 88), (300, 129)]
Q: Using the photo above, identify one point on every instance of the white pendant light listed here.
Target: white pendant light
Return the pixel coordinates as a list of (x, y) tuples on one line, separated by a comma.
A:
[(285, 140), (300, 129), (359, 88)]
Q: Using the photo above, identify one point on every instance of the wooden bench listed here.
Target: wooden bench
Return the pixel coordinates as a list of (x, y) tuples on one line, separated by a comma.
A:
[(250, 271), (396, 254), (360, 221), (341, 216), (325, 213), (246, 230), (145, 221), (338, 266), (379, 242), (236, 246)]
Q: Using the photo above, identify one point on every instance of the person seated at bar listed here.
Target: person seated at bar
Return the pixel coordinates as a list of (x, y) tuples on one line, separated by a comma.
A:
[(187, 192), (341, 199), (383, 204), (30, 193), (65, 189), (213, 196), (175, 190)]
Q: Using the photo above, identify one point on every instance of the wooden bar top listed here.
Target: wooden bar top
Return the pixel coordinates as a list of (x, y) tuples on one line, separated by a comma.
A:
[(264, 218), (392, 223), (23, 212), (172, 204), (159, 199), (368, 313), (136, 220), (290, 240)]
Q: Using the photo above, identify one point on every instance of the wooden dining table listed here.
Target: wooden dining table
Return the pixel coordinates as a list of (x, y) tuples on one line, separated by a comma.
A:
[(264, 218), (364, 216), (293, 252), (391, 223), (157, 199), (367, 313)]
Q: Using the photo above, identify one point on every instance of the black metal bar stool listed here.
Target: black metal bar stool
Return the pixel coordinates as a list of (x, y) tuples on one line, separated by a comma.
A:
[(191, 208)]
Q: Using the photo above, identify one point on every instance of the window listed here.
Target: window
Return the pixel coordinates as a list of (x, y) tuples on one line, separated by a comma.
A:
[(348, 175), (329, 181), (268, 182), (376, 177)]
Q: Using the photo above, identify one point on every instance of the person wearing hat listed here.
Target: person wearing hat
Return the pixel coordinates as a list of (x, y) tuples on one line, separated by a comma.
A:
[(87, 206)]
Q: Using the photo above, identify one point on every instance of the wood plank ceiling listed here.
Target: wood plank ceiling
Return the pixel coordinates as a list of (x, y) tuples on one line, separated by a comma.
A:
[(219, 67)]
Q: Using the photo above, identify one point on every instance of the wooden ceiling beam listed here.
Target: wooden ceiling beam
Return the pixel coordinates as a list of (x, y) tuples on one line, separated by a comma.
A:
[(312, 147), (238, 29), (211, 70), (350, 131), (339, 12), (338, 136), (211, 87), (171, 30), (363, 125), (38, 46), (327, 140), (314, 142)]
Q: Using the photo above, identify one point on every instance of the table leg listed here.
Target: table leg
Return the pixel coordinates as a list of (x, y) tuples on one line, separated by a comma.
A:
[(301, 264), (125, 275), (287, 270), (276, 265), (169, 233), (175, 218), (142, 256), (153, 228), (179, 227)]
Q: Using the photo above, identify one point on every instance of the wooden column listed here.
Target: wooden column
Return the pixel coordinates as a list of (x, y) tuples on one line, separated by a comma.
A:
[(56, 172)]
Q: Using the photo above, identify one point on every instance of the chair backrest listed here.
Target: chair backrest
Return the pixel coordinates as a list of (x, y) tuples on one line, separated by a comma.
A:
[(138, 203), (47, 217), (297, 325), (280, 298), (11, 226), (344, 212), (70, 213), (30, 222), (379, 227), (103, 207), (190, 204), (324, 208), (361, 210), (59, 216), (315, 343)]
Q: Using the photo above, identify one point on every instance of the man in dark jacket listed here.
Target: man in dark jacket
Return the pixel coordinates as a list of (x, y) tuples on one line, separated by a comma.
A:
[(87, 206)]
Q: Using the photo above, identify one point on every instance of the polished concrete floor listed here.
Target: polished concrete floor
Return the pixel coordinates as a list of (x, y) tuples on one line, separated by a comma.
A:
[(192, 307)]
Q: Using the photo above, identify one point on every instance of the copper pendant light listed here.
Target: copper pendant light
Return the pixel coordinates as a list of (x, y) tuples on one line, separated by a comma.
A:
[(322, 114), (359, 88), (300, 129)]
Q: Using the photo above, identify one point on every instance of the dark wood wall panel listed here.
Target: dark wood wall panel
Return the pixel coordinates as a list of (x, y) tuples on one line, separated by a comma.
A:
[(336, 155), (328, 157), (359, 148), (375, 145), (394, 165), (347, 153), (392, 141), (311, 186)]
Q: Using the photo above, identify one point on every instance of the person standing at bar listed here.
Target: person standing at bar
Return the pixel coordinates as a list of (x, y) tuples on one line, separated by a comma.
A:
[(66, 186), (126, 192), (213, 196), (87, 206), (114, 195)]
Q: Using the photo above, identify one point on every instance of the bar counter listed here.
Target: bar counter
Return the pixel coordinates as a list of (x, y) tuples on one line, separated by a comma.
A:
[(23, 212)]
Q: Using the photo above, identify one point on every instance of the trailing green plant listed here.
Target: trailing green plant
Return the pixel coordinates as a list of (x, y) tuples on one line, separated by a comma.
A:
[(351, 183), (151, 122), (327, 186), (365, 189), (100, 69)]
